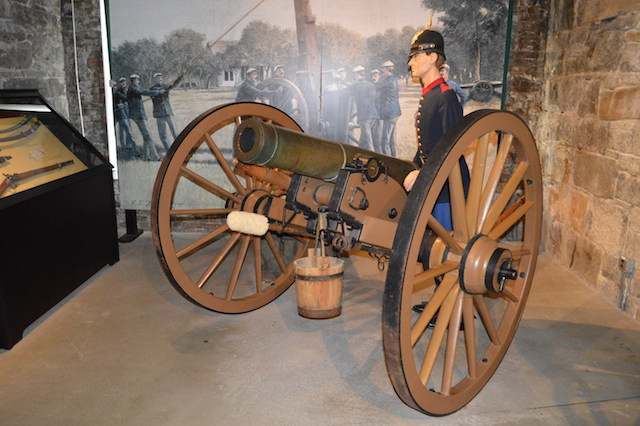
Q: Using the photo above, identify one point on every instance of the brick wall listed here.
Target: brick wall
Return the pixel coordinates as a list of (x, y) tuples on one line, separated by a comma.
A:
[(584, 110)]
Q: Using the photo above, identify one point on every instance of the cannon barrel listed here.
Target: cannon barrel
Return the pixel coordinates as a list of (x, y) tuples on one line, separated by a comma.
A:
[(264, 144)]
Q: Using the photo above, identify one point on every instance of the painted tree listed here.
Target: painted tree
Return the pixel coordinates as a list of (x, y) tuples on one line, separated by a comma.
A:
[(478, 28), (142, 57), (341, 47), (182, 49), (392, 45), (263, 45)]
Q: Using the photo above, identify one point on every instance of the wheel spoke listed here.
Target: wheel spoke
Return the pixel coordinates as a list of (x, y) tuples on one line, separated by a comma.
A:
[(276, 252), (485, 316), (425, 279), (200, 212), (512, 208), (475, 185), (438, 335), (201, 242), (432, 307), (502, 227), (507, 293), (257, 260), (208, 185), (494, 178), (218, 259), (519, 254), (452, 345), (469, 335), (504, 197), (233, 178), (458, 210), (441, 232), (237, 267)]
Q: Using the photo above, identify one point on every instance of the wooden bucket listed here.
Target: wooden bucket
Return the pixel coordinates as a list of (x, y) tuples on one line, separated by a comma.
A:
[(319, 282)]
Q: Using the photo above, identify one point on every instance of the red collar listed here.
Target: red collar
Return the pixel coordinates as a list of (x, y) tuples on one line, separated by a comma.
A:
[(432, 85)]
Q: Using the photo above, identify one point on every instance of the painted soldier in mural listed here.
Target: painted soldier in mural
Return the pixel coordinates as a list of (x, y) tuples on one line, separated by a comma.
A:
[(364, 96), (127, 142), (438, 111), (376, 126), (389, 108), (335, 108), (278, 71), (248, 90), (137, 114), (462, 95), (162, 111)]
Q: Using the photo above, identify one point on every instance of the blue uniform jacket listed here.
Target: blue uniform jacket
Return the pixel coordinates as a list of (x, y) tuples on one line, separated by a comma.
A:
[(121, 105), (134, 97), (439, 109), (248, 92), (389, 102), (364, 95), (161, 105)]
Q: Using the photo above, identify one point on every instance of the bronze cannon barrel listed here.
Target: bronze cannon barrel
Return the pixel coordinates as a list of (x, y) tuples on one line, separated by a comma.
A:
[(264, 144)]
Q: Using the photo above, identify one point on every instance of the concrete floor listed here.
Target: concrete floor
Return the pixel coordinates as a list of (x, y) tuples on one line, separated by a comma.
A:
[(127, 349)]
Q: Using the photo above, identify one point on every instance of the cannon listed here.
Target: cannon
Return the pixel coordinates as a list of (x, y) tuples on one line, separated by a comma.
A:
[(475, 279)]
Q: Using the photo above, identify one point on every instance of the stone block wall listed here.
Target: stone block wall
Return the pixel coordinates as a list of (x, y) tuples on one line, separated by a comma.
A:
[(88, 39), (589, 140), (37, 52)]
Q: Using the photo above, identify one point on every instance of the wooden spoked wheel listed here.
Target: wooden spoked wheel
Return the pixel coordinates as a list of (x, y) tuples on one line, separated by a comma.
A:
[(197, 186), (474, 280)]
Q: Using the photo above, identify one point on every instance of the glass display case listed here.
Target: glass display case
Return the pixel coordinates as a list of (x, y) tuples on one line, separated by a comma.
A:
[(57, 210), (37, 146)]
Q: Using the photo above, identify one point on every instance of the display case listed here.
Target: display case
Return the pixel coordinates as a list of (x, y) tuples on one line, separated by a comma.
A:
[(57, 211)]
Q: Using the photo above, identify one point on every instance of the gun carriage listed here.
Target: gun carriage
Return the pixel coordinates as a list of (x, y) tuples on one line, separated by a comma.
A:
[(475, 278)]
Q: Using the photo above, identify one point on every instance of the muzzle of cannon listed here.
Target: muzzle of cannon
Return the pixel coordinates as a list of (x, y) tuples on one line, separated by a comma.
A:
[(452, 299), (264, 144)]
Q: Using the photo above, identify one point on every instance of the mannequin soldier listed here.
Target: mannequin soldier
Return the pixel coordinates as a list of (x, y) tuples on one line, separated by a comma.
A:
[(439, 109)]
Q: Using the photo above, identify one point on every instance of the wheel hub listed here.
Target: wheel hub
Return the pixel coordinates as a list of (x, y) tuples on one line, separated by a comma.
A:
[(485, 266), (433, 251)]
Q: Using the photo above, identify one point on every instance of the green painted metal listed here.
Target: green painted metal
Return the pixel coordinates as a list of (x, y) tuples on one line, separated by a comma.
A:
[(264, 144)]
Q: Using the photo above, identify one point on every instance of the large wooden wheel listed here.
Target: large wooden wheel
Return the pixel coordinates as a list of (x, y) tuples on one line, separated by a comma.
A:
[(196, 187), (476, 279)]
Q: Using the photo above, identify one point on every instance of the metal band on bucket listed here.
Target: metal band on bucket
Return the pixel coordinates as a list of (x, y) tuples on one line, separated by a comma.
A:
[(319, 277)]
